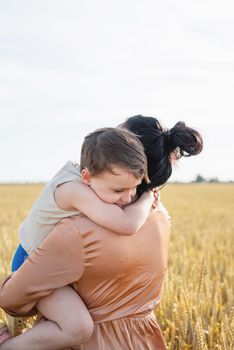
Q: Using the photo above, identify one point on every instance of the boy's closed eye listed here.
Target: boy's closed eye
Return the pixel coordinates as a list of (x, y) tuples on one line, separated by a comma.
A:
[(123, 190)]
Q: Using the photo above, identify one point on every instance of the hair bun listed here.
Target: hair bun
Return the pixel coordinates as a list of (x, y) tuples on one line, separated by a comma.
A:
[(167, 134), (187, 139)]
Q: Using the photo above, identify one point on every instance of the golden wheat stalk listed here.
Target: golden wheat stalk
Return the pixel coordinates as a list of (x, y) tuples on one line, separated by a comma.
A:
[(201, 280)]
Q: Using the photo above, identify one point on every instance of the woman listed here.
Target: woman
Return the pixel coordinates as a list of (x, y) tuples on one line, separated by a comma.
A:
[(119, 278)]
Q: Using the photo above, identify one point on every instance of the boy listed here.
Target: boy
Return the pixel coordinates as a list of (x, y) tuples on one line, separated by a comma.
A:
[(112, 165)]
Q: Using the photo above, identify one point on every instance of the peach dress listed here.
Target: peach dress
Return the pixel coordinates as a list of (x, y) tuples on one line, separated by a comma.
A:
[(120, 279)]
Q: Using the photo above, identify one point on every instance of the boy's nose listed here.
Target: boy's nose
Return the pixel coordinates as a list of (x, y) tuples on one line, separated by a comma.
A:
[(126, 198)]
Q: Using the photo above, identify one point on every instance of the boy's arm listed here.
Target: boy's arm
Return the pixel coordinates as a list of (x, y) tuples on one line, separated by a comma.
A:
[(125, 221)]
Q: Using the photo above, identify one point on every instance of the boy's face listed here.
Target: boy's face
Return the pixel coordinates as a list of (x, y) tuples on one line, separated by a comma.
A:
[(117, 188)]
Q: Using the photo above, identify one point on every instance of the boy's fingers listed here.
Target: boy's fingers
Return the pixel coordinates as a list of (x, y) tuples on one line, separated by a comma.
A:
[(156, 193), (156, 198)]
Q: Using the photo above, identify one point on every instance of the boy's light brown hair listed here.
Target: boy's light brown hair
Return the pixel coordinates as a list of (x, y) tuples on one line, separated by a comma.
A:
[(106, 147)]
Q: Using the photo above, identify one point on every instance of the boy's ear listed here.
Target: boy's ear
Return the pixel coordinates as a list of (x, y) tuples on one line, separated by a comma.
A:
[(85, 176)]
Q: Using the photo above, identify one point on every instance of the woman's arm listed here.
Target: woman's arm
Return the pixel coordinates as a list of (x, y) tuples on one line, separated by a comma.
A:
[(125, 221), (56, 263)]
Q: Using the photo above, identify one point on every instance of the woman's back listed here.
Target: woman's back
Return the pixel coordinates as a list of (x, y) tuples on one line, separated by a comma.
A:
[(123, 275), (120, 279), (122, 284)]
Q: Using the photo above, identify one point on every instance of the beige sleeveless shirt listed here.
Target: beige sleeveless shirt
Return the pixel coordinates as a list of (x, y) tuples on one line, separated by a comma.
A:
[(45, 213)]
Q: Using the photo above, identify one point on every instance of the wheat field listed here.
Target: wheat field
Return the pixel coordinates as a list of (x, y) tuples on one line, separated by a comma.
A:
[(197, 309)]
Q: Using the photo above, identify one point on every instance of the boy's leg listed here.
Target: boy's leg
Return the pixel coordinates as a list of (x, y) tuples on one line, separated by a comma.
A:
[(65, 308), (68, 324)]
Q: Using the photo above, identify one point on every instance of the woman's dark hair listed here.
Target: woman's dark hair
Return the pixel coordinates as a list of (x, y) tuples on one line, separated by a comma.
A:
[(163, 146)]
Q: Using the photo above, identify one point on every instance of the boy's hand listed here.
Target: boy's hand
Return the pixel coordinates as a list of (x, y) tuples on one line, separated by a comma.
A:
[(152, 196)]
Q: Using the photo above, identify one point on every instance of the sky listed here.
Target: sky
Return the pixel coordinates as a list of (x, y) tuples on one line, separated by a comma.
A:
[(68, 67)]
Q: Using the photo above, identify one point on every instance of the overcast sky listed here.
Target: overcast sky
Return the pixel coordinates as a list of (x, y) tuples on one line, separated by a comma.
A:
[(68, 67)]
